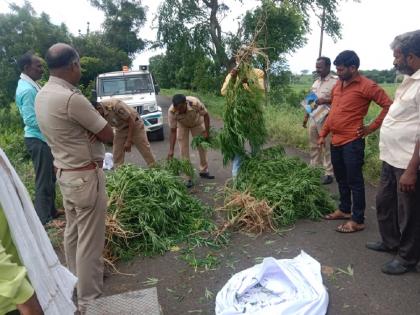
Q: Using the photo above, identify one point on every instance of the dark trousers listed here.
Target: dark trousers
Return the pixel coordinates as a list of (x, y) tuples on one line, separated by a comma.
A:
[(347, 161), (399, 215), (42, 160)]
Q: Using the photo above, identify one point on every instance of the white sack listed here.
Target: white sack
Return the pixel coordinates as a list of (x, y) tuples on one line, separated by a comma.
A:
[(275, 287)]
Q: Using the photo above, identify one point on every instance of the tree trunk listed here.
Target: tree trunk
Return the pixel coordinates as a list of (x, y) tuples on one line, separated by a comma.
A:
[(321, 40), (216, 33)]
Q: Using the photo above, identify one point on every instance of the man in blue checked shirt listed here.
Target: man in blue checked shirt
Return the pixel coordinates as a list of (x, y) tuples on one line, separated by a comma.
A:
[(31, 70)]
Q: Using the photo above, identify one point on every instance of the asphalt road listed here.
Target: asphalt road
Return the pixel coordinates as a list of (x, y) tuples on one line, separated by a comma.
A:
[(351, 273)]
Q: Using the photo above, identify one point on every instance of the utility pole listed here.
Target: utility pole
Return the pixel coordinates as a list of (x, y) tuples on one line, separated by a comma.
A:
[(322, 32)]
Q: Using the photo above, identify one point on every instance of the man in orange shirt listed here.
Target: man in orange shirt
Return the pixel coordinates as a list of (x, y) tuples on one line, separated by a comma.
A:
[(351, 97)]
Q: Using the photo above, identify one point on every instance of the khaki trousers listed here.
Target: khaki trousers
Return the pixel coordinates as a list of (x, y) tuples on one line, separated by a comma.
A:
[(319, 153), (85, 201), (184, 144), (139, 140)]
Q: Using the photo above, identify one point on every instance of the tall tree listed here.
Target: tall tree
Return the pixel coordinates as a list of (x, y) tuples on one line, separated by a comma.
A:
[(123, 20), (281, 25), (98, 56), (332, 26), (21, 30), (176, 17), (279, 28)]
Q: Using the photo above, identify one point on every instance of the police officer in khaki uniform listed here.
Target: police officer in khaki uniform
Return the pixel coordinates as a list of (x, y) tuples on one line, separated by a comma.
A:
[(322, 87), (188, 114), (75, 131), (129, 129)]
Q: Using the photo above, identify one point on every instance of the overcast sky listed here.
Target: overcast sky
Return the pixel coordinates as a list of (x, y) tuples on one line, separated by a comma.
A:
[(368, 27)]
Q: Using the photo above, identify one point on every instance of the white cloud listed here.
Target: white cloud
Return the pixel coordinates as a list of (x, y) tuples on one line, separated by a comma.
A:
[(368, 29)]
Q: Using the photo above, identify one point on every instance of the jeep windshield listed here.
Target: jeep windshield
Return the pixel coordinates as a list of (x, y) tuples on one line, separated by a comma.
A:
[(122, 85)]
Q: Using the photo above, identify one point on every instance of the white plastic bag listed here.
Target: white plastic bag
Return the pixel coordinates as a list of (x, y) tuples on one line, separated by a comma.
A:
[(275, 287), (108, 161)]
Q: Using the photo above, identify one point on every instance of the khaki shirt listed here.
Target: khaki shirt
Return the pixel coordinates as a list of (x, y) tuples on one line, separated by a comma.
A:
[(191, 118), (116, 112), (257, 73), (66, 117), (323, 89)]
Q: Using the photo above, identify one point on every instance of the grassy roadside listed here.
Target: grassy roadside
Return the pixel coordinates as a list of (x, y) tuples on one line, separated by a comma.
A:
[(13, 144), (284, 124)]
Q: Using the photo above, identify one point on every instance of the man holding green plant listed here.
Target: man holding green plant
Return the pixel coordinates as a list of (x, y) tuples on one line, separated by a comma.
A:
[(398, 198), (350, 101), (243, 118), (186, 115), (31, 67)]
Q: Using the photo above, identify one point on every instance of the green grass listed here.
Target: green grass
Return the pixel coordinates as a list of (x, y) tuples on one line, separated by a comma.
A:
[(284, 123), (13, 144)]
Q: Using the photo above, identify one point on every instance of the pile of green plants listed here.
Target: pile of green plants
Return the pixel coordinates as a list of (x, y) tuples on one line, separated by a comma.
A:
[(212, 142), (149, 211), (288, 185), (13, 144), (177, 167), (244, 115)]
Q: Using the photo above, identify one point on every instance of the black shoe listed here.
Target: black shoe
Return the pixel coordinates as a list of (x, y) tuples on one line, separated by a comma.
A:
[(379, 247), (189, 183), (395, 267), (327, 179), (206, 175), (58, 213)]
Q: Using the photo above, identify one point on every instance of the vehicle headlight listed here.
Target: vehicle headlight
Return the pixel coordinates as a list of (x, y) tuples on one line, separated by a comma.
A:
[(152, 108)]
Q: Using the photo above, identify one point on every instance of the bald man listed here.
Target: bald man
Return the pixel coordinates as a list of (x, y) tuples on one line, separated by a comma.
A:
[(75, 131)]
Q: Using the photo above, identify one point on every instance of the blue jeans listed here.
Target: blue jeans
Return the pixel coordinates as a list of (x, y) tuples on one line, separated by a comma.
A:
[(347, 161), (236, 164), (237, 161)]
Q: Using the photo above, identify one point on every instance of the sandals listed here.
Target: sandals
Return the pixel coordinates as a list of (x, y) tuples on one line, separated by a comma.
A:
[(338, 215), (350, 227)]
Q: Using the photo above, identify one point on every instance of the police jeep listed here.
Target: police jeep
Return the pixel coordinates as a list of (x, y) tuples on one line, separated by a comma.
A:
[(136, 88)]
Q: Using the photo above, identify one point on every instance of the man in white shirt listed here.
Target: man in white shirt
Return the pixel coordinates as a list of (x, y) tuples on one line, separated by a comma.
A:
[(398, 199)]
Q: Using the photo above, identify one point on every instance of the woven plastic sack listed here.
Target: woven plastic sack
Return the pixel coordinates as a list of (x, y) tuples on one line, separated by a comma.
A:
[(275, 287)]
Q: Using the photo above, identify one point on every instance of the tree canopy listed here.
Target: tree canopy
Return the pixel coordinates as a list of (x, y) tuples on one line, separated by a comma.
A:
[(196, 44), (123, 20), (23, 29)]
